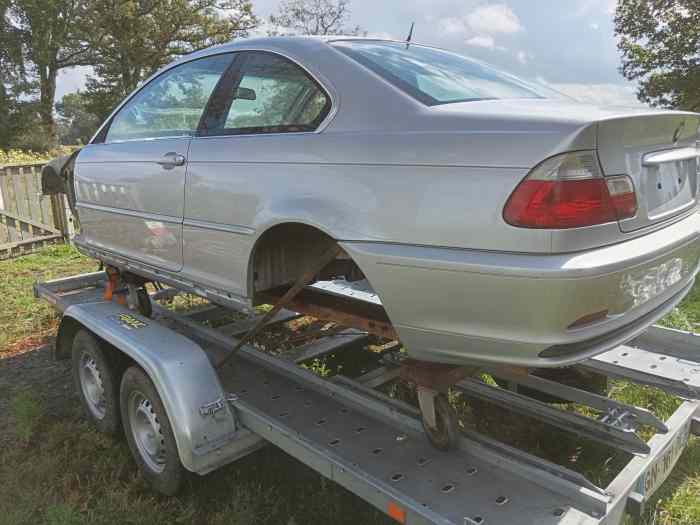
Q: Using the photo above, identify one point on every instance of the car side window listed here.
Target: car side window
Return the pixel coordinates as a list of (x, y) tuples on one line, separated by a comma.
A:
[(172, 104), (270, 94)]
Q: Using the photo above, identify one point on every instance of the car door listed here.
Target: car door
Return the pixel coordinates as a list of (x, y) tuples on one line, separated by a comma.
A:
[(266, 106), (130, 181)]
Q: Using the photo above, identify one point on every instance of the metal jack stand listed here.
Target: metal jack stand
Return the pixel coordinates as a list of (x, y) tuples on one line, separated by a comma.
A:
[(432, 381), (127, 291)]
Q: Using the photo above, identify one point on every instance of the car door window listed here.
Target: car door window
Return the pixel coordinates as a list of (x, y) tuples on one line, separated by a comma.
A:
[(172, 104), (271, 95)]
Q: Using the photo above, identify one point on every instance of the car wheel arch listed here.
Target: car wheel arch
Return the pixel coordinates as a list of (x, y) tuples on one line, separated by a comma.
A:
[(276, 243)]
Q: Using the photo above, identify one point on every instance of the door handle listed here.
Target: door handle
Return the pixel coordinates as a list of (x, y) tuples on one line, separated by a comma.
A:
[(172, 159)]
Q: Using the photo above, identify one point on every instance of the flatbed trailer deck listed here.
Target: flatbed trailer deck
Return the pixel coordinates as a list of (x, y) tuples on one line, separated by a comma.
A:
[(374, 445)]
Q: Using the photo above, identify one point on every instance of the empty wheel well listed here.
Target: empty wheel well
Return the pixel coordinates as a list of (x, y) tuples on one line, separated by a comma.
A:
[(284, 251)]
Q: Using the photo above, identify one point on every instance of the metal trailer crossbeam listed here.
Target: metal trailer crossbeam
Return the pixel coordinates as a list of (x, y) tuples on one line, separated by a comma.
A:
[(617, 436), (374, 445), (612, 411), (653, 365)]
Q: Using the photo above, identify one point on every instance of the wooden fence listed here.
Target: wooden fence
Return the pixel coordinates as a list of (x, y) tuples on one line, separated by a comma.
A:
[(28, 219)]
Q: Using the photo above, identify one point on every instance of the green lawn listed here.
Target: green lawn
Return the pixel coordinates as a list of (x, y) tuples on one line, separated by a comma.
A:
[(21, 315), (59, 471)]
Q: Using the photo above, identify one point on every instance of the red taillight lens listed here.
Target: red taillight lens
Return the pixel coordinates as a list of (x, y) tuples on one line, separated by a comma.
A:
[(569, 191)]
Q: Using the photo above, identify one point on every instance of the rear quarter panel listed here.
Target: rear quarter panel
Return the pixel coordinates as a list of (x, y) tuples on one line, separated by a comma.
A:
[(351, 186), (344, 185)]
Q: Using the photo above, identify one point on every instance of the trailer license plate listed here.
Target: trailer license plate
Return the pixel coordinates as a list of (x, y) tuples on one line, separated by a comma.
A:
[(658, 471)]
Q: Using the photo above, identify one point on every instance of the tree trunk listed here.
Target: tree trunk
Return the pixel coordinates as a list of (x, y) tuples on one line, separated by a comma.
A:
[(47, 87)]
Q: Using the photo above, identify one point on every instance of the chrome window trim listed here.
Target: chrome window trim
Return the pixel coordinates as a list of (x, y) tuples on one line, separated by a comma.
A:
[(148, 139), (322, 81), (251, 135)]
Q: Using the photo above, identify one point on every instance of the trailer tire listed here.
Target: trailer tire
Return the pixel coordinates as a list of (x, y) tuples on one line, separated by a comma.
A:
[(149, 433), (96, 378)]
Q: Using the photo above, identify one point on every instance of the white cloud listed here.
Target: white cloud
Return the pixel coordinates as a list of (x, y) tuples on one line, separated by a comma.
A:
[(594, 26), (523, 57), (586, 7), (480, 25), (493, 19), (482, 41), (454, 26)]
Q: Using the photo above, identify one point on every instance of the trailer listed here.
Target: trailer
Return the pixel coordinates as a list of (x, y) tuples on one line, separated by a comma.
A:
[(189, 402)]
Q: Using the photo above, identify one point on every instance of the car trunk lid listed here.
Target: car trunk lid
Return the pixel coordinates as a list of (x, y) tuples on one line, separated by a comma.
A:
[(660, 153)]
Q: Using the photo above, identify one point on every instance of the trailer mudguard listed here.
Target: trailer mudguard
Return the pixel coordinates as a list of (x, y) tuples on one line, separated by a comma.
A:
[(205, 425)]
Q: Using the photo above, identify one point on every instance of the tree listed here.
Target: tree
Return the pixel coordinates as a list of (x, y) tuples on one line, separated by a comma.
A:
[(76, 123), (660, 45), (313, 17), (53, 40), (131, 39), (15, 110), (11, 63)]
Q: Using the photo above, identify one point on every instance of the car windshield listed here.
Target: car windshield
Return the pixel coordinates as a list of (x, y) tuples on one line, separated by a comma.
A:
[(434, 76)]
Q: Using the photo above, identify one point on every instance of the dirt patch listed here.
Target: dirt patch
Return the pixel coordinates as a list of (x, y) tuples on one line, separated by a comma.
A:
[(33, 369)]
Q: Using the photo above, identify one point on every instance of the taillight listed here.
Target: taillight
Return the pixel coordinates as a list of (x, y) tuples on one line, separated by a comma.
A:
[(569, 191)]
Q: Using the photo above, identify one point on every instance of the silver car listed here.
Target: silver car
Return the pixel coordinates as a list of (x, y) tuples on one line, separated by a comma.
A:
[(497, 222)]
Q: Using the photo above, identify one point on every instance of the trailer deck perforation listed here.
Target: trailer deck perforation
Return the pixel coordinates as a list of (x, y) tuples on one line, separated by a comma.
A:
[(372, 444)]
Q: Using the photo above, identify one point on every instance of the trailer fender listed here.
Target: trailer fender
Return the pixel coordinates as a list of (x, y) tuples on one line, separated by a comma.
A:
[(204, 423)]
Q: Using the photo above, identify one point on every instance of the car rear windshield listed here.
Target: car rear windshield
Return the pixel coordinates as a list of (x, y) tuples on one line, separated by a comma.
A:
[(434, 76)]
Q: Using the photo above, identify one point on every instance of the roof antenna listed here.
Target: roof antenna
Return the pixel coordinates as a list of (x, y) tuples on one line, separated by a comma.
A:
[(410, 35)]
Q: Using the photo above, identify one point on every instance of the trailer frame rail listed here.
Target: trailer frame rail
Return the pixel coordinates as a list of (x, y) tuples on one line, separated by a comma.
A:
[(374, 445)]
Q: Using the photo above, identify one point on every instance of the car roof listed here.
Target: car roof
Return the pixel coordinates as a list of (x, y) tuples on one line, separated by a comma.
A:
[(292, 44)]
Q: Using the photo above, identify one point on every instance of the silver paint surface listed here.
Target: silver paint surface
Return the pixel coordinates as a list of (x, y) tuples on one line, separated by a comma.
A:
[(396, 180)]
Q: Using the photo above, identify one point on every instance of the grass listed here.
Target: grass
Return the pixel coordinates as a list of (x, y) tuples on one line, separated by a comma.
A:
[(61, 472), (16, 156), (23, 319), (687, 316), (27, 411), (74, 475)]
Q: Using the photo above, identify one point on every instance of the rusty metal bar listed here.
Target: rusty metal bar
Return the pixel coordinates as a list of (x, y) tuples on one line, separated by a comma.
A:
[(363, 316), (304, 279)]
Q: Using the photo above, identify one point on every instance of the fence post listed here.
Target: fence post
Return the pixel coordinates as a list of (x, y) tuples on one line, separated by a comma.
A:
[(2, 178)]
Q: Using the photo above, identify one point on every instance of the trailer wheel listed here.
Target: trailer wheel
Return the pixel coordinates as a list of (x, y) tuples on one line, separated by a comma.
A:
[(97, 381), (149, 433), (446, 435)]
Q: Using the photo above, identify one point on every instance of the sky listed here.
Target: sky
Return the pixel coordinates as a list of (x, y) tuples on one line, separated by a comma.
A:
[(567, 44)]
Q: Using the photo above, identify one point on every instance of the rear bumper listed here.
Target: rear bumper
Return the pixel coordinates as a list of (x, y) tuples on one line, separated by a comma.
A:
[(457, 306)]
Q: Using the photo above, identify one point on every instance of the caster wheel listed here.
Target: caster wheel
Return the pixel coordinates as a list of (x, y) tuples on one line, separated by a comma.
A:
[(96, 376), (145, 307), (149, 434), (446, 434)]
